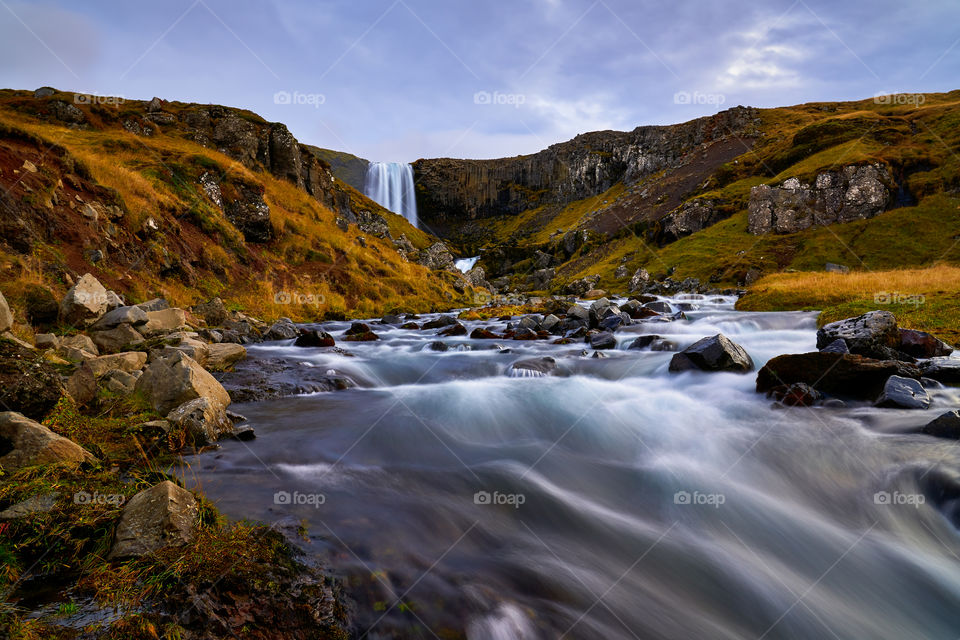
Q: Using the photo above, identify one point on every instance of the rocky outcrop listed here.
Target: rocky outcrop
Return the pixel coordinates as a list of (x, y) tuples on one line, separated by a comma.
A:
[(690, 217), (85, 302), (460, 190), (438, 256), (160, 516), (853, 193), (24, 442)]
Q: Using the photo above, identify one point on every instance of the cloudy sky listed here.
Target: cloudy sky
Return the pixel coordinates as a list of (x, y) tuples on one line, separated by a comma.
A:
[(404, 79)]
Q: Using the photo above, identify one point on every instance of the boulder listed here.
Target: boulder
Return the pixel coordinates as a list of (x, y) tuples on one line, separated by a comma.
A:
[(32, 506), (921, 344), (483, 334), (715, 353), (532, 367), (440, 322), (213, 312), (161, 516), (837, 346), (438, 345), (46, 341), (199, 351), (639, 280), (120, 382), (903, 393), (945, 426), (26, 443), (82, 385), (203, 421), (85, 302), (453, 330), (79, 342), (164, 321), (550, 323), (121, 315), (842, 374), (603, 340), (659, 306), (117, 339), (157, 304), (942, 369), (6, 318), (579, 313), (282, 329), (170, 382), (129, 361), (315, 338), (874, 335), (29, 384), (223, 356)]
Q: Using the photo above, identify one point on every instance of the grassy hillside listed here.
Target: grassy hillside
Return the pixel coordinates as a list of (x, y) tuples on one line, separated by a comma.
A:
[(167, 237), (917, 140)]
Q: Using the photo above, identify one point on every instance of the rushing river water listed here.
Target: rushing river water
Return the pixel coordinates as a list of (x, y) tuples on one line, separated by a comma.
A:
[(612, 500)]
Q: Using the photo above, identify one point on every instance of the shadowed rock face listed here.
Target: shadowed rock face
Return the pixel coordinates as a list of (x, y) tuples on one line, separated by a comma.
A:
[(451, 190), (836, 196)]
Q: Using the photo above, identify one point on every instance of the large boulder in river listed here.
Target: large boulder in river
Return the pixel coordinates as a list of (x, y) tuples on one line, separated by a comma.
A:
[(843, 374), (161, 516), (942, 369), (85, 302), (28, 383), (874, 335), (172, 381), (903, 393), (25, 443), (715, 353)]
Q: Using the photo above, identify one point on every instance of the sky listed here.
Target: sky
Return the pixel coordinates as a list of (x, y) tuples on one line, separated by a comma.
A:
[(397, 80)]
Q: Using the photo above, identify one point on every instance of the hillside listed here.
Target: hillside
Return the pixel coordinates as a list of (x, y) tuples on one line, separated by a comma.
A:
[(188, 202), (873, 184)]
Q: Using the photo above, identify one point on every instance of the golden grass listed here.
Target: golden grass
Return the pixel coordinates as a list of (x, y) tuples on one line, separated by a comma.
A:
[(925, 299)]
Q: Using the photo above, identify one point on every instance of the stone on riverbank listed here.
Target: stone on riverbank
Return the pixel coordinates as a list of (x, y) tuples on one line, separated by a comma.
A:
[(28, 443), (161, 516)]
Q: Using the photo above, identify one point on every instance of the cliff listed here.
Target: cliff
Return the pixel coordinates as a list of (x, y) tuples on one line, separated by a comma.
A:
[(453, 191)]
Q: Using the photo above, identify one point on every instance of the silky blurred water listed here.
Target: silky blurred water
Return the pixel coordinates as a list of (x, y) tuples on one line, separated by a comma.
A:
[(610, 500)]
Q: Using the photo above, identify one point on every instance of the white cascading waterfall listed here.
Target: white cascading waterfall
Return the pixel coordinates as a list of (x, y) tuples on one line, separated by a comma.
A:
[(390, 184)]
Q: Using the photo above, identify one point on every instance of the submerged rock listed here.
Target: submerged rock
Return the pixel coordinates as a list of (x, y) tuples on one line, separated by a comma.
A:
[(254, 379), (798, 394), (945, 426), (532, 367), (314, 338), (715, 353)]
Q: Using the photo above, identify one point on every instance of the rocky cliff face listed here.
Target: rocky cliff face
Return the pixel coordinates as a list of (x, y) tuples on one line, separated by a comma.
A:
[(836, 196), (451, 191)]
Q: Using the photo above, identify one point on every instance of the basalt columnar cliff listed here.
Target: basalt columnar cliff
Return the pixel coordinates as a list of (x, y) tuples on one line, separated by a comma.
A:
[(724, 198)]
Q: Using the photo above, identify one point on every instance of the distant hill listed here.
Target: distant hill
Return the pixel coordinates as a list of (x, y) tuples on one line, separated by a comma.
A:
[(870, 184)]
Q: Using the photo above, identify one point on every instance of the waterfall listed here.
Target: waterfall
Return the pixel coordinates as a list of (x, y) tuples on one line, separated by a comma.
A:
[(390, 184)]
